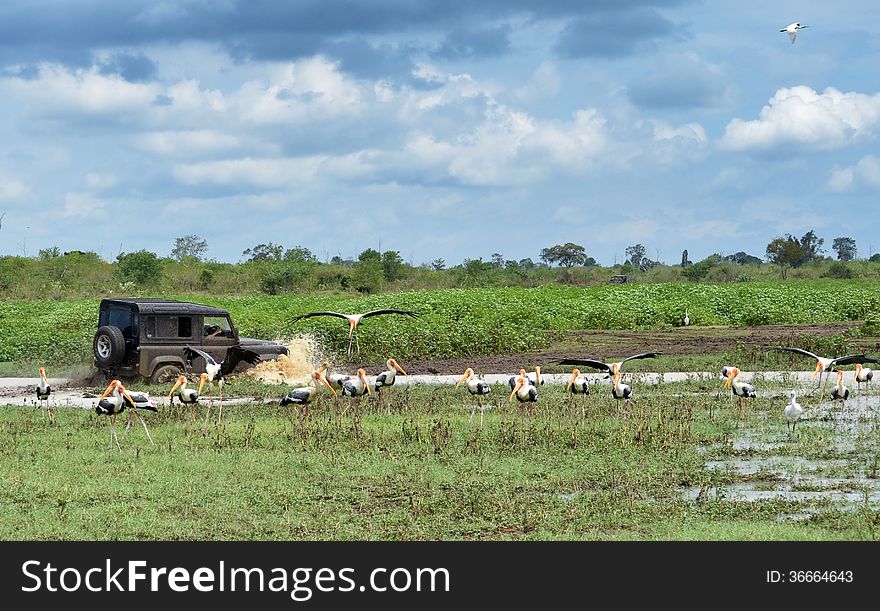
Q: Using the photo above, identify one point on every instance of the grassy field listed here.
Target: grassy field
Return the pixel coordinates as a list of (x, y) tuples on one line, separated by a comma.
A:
[(460, 322), (424, 471)]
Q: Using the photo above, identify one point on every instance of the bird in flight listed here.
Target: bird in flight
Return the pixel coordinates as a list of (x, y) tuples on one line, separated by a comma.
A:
[(792, 29), (354, 320)]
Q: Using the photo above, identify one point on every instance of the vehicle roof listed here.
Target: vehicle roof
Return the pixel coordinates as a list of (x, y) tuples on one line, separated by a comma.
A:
[(166, 306)]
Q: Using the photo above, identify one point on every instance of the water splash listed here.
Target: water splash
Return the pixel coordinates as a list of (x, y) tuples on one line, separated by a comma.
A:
[(305, 355)]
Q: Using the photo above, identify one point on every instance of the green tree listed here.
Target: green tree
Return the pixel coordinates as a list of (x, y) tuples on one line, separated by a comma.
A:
[(438, 265), (684, 258), (845, 248), (392, 265), (635, 255), (142, 267), (786, 252), (497, 260), (47, 254), (566, 255), (265, 252), (189, 247), (299, 254), (368, 275), (812, 246), (741, 258)]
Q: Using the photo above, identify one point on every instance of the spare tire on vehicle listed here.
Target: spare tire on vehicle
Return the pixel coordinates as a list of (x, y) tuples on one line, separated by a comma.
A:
[(108, 346)]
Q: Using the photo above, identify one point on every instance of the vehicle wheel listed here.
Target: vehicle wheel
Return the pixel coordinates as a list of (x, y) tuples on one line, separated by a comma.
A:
[(165, 374), (109, 346)]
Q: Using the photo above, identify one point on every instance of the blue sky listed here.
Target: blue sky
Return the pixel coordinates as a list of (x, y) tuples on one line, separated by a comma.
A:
[(438, 128)]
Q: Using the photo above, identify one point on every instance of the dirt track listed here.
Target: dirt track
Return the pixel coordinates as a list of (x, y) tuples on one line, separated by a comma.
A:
[(681, 341)]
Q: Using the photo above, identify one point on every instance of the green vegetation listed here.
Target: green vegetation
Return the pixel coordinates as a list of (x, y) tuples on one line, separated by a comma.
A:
[(462, 322), (425, 471)]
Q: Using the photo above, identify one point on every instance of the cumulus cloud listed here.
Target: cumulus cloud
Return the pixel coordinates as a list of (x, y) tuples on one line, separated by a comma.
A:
[(864, 174), (802, 117), (12, 189), (82, 205)]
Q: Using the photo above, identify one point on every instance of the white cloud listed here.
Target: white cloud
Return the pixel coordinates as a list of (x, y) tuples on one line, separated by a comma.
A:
[(864, 174), (544, 83), (13, 189), (275, 173), (101, 181), (186, 143), (82, 205), (802, 117), (59, 91)]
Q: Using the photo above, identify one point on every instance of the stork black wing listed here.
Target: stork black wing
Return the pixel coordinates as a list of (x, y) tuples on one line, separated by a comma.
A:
[(644, 355), (586, 363), (193, 353), (795, 350), (234, 356), (852, 359), (391, 311), (311, 314)]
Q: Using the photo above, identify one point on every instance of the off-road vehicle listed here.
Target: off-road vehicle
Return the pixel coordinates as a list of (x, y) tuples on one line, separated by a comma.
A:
[(146, 337)]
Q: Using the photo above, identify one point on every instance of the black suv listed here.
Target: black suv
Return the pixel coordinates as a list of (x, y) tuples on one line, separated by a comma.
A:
[(146, 337)]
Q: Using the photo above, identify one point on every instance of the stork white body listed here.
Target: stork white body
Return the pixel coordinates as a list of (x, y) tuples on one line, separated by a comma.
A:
[(687, 319), (477, 387), (792, 30), (793, 412), (864, 375), (43, 392)]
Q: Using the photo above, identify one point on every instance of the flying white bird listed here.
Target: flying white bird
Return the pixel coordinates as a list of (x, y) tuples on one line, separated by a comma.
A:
[(792, 29)]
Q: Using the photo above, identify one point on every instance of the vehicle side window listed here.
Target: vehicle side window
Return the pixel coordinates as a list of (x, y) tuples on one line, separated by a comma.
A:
[(184, 326), (217, 327), (150, 326)]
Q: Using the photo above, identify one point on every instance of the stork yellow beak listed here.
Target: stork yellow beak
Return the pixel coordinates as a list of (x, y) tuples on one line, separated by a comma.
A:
[(818, 369), (363, 376), (351, 325), (173, 388), (202, 380), (109, 389), (574, 375), (464, 377), (398, 367), (537, 376), (519, 384)]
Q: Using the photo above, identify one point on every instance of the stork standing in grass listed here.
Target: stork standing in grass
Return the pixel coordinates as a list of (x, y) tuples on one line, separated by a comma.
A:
[(577, 385), (217, 371), (741, 390), (793, 412), (187, 396), (825, 364), (114, 400), (355, 388), (303, 396), (526, 395), (354, 320), (43, 392), (864, 375), (478, 388), (533, 379), (620, 391), (840, 392), (386, 379)]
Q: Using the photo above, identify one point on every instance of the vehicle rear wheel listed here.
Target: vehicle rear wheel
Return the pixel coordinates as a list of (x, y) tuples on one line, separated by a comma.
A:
[(108, 346), (165, 374)]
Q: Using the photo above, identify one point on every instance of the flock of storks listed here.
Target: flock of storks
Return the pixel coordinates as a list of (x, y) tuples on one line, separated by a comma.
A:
[(524, 386)]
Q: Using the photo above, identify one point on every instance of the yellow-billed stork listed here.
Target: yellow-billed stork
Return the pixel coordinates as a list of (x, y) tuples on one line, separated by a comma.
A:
[(840, 392), (43, 392), (478, 387), (825, 364), (354, 320), (217, 371), (864, 375)]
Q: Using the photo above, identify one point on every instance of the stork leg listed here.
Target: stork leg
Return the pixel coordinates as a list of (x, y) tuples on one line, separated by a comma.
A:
[(113, 436), (210, 405), (480, 403), (357, 343), (144, 422), (127, 425), (220, 411)]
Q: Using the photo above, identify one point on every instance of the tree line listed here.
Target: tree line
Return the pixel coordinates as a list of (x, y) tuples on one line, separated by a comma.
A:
[(273, 268)]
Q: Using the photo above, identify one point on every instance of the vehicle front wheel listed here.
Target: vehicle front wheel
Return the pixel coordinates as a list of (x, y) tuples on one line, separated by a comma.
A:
[(165, 374)]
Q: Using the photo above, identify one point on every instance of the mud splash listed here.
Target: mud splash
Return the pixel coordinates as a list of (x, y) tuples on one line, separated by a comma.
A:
[(305, 355)]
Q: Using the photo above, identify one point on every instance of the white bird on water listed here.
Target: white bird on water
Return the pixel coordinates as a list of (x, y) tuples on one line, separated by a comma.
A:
[(793, 412), (792, 29)]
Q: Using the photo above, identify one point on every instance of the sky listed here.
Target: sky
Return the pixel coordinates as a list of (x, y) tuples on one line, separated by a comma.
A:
[(438, 128)]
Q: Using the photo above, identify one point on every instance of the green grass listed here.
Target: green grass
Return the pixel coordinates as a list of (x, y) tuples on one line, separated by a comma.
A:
[(461, 322), (422, 472)]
